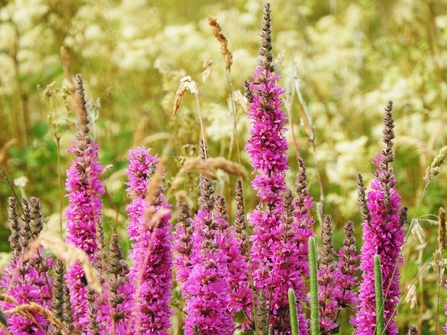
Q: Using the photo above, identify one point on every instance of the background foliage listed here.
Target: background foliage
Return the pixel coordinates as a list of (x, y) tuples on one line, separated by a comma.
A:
[(351, 57)]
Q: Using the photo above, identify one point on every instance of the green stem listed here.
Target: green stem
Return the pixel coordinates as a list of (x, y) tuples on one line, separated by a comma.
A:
[(293, 313), (315, 322), (59, 183), (380, 322), (234, 135)]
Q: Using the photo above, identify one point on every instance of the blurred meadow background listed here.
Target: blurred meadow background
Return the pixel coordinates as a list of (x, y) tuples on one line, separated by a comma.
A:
[(339, 61)]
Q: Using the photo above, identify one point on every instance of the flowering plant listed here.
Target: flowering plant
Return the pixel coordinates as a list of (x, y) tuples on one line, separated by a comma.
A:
[(231, 277)]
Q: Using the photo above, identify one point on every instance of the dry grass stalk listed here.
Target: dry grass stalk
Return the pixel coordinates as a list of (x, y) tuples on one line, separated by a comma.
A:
[(181, 196), (217, 32), (433, 170), (157, 137), (420, 146), (4, 150), (206, 167), (155, 184), (438, 256), (215, 163), (3, 327), (75, 101), (24, 313), (241, 100), (67, 253), (440, 158), (33, 307), (441, 230), (8, 298), (418, 231), (67, 72), (155, 219), (207, 66), (411, 297), (140, 131), (186, 83)]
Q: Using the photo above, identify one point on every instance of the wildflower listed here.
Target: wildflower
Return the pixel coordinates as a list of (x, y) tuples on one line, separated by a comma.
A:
[(383, 235), (239, 221), (120, 287), (183, 240), (84, 188), (151, 271), (303, 204), (58, 293), (346, 268), (26, 280), (326, 280), (238, 267), (207, 288), (276, 245)]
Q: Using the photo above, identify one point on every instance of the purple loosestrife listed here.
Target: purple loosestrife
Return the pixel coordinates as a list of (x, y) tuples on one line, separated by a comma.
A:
[(276, 267), (327, 279), (120, 288), (238, 267), (347, 267), (206, 289), (303, 204), (84, 188), (151, 271), (336, 279), (239, 221), (58, 294), (383, 235), (183, 238), (26, 280)]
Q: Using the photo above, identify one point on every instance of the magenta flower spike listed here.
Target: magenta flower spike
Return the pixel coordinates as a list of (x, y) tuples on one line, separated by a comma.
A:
[(26, 281), (327, 278), (346, 267), (207, 290), (182, 245), (237, 265), (382, 235), (204, 268), (151, 271), (84, 188), (277, 248)]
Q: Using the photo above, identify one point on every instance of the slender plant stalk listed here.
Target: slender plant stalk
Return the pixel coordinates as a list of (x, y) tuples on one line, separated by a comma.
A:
[(424, 191), (312, 137), (440, 270), (234, 136), (288, 106), (378, 284), (59, 182), (315, 322), (202, 129), (293, 314), (418, 276), (12, 189), (117, 213)]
